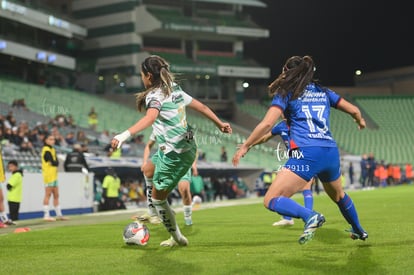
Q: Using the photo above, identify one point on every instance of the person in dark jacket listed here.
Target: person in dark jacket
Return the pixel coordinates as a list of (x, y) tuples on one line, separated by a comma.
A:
[(75, 160)]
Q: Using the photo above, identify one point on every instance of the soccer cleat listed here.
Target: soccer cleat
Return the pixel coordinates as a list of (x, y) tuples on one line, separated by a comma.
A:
[(49, 219), (188, 221), (311, 225), (2, 225), (357, 236), (284, 222), (146, 218), (61, 218), (10, 222), (171, 242)]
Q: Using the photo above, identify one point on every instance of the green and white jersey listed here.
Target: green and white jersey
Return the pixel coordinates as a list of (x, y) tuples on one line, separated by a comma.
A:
[(170, 127)]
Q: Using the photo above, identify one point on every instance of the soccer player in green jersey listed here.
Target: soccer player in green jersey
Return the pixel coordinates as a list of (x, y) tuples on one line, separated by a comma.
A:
[(165, 104)]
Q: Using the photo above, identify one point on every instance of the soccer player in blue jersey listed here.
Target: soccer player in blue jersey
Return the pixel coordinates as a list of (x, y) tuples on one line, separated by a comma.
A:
[(282, 129), (306, 106)]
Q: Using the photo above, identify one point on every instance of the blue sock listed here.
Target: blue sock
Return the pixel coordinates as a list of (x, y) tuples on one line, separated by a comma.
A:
[(287, 207), (308, 198), (349, 212), (287, 218)]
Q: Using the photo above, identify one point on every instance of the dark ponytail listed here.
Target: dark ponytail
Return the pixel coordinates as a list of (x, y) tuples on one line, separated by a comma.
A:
[(296, 74)]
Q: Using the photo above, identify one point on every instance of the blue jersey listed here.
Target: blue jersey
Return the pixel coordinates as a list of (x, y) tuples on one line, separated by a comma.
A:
[(308, 115), (282, 130)]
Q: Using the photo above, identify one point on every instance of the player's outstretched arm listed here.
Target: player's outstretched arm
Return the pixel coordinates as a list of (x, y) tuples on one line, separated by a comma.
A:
[(149, 118), (263, 139), (207, 112), (353, 110), (261, 129)]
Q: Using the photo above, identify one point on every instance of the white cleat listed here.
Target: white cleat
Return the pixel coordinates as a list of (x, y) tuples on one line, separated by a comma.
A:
[(284, 222), (146, 218), (188, 221), (171, 242)]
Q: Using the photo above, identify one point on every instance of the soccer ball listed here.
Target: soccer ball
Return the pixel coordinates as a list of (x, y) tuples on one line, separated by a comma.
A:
[(136, 233), (197, 200)]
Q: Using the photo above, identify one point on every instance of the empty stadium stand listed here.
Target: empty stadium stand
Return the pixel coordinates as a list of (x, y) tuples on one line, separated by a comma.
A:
[(390, 140), (45, 103)]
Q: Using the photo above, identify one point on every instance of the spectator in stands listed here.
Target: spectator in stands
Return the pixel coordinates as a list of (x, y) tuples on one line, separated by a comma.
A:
[(105, 138), (124, 192), (8, 133), (19, 103), (218, 186), (201, 155), (111, 186), (230, 188), (371, 169), (85, 148), (14, 137), (351, 173), (136, 191), (408, 172), (390, 170), (223, 156), (114, 153), (26, 145), (70, 138), (75, 161), (306, 106), (43, 128), (59, 139), (139, 139), (364, 170), (93, 119), (14, 189), (382, 174), (315, 186), (2, 135), (37, 138), (70, 121), (396, 174), (24, 127), (2, 119), (60, 121), (10, 121), (267, 179), (209, 189), (81, 137), (50, 165)]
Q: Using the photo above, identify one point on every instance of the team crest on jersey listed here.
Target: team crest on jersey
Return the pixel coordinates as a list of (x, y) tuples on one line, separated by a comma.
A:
[(177, 98)]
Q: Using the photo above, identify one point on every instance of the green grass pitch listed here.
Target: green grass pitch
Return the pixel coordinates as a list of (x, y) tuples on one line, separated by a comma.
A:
[(224, 240)]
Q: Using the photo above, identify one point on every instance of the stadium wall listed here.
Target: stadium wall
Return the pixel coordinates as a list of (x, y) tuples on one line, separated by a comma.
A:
[(75, 189)]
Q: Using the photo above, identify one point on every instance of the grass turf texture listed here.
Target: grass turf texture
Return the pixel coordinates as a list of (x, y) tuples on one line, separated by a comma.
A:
[(226, 240)]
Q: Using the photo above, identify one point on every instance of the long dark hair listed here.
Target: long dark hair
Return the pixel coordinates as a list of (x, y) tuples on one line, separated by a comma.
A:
[(296, 74), (161, 77)]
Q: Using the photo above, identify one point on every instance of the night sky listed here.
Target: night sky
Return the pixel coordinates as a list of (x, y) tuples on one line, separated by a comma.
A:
[(341, 36)]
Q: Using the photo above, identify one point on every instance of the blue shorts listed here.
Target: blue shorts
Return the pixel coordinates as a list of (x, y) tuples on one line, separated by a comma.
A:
[(316, 161)]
